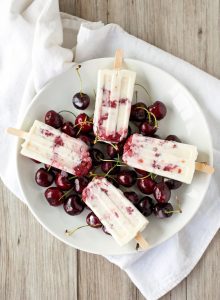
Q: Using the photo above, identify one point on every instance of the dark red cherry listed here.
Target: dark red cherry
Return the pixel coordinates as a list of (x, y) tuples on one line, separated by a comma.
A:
[(81, 101), (159, 109), (141, 172), (80, 183), (114, 150), (96, 156), (73, 205), (145, 206), (62, 181), (147, 128), (163, 210), (106, 166), (54, 196), (173, 184), (44, 178), (93, 221), (84, 123), (53, 119), (162, 192), (69, 129), (86, 139), (174, 138), (132, 196), (126, 178), (146, 185), (138, 112)]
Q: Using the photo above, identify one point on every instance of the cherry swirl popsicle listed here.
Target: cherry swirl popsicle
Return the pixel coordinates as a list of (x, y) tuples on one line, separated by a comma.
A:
[(50, 146), (166, 158), (113, 104), (121, 219)]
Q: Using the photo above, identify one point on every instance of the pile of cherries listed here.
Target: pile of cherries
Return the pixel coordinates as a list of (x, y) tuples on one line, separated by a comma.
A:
[(67, 189)]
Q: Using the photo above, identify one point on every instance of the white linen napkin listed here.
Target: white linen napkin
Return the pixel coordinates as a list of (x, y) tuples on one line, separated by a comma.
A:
[(35, 43)]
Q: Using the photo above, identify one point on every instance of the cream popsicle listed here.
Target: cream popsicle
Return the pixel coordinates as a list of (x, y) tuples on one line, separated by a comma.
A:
[(50, 146), (113, 104), (166, 158), (120, 217)]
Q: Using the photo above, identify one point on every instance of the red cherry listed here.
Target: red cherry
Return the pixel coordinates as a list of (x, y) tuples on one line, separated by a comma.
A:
[(80, 183), (81, 100), (142, 172), (126, 178), (138, 112), (162, 192), (73, 205), (145, 206), (163, 210), (62, 181), (44, 177), (93, 221), (84, 122), (159, 109), (86, 139), (54, 196), (106, 166), (132, 196), (146, 185), (147, 128), (69, 129), (113, 151), (173, 184), (53, 119)]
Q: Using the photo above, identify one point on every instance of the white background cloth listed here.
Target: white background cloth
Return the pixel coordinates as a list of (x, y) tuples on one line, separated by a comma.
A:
[(36, 44)]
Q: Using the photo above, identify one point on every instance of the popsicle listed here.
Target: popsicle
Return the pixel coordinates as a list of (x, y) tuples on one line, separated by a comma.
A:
[(166, 158), (113, 102), (50, 146), (120, 217)]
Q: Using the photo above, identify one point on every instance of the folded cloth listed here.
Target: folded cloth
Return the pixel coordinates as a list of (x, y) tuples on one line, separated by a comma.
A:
[(35, 43)]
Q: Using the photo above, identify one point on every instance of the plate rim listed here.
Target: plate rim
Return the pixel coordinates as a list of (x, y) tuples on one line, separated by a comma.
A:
[(35, 98)]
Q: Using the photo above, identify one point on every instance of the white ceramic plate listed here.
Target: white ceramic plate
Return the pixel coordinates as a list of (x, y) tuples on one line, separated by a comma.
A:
[(184, 118)]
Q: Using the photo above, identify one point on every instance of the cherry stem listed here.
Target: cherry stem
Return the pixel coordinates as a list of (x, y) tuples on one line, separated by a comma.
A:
[(80, 79), (149, 116), (136, 96), (66, 193), (151, 175), (173, 211), (149, 95), (72, 177), (49, 168), (67, 111), (100, 175), (71, 231)]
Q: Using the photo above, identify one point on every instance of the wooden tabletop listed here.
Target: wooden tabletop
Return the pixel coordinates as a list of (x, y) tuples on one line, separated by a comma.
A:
[(33, 264)]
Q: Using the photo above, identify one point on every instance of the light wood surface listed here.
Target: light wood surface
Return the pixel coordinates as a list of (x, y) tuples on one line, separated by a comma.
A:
[(36, 266)]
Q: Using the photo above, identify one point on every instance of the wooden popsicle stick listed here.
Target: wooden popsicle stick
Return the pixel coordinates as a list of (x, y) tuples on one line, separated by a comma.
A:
[(118, 59), (204, 167), (141, 241), (17, 132)]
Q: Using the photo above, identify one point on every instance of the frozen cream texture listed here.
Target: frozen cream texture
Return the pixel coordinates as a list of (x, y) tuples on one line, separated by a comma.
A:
[(120, 217), (50, 146), (113, 104), (166, 158)]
